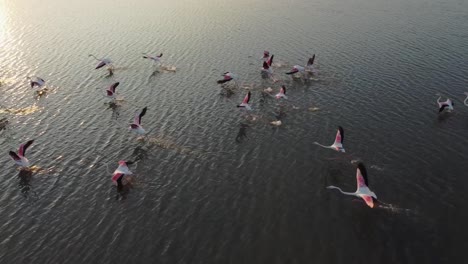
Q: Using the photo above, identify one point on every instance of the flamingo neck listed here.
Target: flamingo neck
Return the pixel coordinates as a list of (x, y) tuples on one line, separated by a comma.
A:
[(330, 147), (339, 189)]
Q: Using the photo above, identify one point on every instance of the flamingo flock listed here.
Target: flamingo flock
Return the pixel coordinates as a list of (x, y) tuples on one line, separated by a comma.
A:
[(122, 174)]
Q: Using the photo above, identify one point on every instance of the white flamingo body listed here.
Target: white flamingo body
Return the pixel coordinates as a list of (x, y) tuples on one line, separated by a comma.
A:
[(119, 174), (338, 144), (282, 93), (363, 190), (123, 168), (448, 104), (466, 99), (20, 157), (36, 81)]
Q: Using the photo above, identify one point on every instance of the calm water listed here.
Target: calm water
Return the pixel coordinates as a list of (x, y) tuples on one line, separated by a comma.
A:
[(201, 197)]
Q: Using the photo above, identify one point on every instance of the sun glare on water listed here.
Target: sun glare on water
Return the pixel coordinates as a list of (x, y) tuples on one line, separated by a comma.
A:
[(2, 24)]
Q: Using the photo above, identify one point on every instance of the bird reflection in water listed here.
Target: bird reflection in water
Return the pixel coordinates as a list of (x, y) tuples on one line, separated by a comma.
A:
[(242, 133), (24, 183), (123, 190), (3, 123)]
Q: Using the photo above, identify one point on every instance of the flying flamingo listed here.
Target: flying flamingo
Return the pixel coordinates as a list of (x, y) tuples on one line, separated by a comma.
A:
[(36, 81), (363, 190), (20, 158), (103, 62), (111, 90), (118, 177), (245, 102), (282, 93), (156, 59), (136, 125), (443, 105), (338, 144), (228, 76)]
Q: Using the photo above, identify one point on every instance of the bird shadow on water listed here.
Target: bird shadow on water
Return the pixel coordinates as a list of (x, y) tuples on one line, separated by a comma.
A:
[(444, 117), (110, 73), (115, 107), (24, 185), (242, 133), (123, 191)]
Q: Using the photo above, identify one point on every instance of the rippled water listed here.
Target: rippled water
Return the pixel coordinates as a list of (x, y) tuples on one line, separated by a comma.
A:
[(202, 197)]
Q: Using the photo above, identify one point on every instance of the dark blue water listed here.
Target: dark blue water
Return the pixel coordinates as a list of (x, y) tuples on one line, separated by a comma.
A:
[(199, 196)]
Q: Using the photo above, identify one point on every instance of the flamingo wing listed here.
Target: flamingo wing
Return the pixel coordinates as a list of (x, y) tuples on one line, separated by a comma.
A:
[(138, 117), (100, 65), (293, 70), (444, 105), (246, 98), (270, 61), (113, 86), (23, 147), (311, 60), (361, 176), (14, 156), (339, 138), (116, 176), (369, 200)]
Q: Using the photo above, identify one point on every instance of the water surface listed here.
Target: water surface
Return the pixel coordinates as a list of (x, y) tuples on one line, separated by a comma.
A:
[(202, 197)]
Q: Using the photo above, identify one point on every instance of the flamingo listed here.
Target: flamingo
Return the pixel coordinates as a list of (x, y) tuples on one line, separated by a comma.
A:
[(363, 190), (36, 81), (20, 157), (443, 105), (228, 76), (466, 99), (282, 93), (119, 174), (102, 62), (156, 59), (245, 102), (111, 90), (136, 125), (338, 144)]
